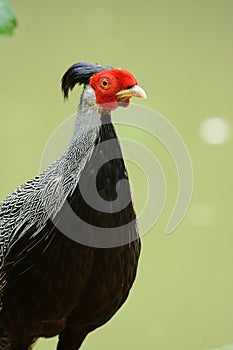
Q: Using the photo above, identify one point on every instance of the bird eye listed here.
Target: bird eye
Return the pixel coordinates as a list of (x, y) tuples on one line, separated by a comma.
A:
[(104, 83)]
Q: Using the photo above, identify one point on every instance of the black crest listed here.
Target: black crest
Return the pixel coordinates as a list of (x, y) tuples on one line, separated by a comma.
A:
[(79, 73)]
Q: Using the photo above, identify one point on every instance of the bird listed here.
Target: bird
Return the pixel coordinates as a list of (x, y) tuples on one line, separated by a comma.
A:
[(69, 239)]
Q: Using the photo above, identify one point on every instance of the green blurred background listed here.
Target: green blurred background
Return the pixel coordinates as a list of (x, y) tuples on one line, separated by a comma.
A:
[(182, 54)]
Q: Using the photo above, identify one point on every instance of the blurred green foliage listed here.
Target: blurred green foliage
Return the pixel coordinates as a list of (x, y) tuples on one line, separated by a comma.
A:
[(7, 18)]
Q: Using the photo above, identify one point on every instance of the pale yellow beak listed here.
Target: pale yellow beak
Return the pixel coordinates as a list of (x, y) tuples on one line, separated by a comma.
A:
[(135, 91)]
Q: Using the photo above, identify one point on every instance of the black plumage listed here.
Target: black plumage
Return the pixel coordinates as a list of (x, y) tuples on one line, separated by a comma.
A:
[(79, 73), (51, 282)]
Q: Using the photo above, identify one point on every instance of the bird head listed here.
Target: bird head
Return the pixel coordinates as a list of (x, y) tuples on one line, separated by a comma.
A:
[(115, 87), (112, 86)]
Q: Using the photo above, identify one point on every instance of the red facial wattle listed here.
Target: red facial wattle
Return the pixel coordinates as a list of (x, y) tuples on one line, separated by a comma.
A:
[(107, 84)]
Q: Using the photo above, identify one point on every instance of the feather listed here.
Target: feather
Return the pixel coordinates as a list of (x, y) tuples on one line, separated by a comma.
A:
[(79, 73), (51, 284)]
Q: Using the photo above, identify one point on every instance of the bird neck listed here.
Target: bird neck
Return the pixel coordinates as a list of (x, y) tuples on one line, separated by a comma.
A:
[(90, 116)]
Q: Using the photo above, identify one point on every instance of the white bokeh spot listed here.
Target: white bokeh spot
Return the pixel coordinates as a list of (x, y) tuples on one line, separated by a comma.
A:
[(214, 130)]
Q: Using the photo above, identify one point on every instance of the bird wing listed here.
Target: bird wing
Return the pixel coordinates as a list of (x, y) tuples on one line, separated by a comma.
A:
[(40, 199)]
